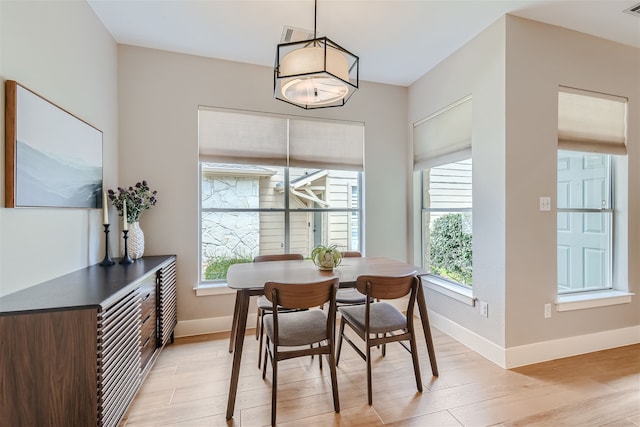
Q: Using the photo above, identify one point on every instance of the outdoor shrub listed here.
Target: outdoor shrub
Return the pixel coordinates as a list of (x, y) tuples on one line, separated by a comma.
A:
[(451, 250), (217, 266)]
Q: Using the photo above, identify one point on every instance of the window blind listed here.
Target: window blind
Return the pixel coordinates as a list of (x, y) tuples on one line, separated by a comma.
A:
[(241, 137), (591, 121), (444, 137), (323, 144), (250, 138)]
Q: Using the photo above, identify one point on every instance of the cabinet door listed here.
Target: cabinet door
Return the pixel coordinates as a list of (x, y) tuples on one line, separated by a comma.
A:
[(167, 303), (48, 368), (119, 363)]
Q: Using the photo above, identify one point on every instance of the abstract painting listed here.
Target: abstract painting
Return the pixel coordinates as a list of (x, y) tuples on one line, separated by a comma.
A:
[(53, 158)]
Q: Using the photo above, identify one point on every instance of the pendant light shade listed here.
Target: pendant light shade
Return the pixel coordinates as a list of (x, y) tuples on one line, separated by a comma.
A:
[(315, 73)]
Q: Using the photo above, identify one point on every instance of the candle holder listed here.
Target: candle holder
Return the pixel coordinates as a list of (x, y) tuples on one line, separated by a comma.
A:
[(126, 259), (107, 261)]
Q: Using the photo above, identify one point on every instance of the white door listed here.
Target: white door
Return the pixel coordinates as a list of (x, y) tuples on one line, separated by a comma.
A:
[(584, 248)]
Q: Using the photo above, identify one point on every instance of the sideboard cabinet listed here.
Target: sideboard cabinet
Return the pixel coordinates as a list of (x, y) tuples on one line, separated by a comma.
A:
[(74, 350)]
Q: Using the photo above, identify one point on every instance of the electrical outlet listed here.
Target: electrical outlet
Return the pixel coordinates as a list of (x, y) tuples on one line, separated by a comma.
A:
[(547, 311), (484, 309)]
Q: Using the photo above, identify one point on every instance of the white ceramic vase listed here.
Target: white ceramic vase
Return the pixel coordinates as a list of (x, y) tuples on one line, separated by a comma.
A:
[(135, 241)]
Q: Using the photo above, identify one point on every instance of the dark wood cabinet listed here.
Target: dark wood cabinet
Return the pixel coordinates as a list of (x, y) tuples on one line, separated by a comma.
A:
[(74, 350)]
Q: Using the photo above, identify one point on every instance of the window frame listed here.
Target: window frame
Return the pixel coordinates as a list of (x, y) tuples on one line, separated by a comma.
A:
[(609, 209), (286, 210), (595, 122), (448, 286), (298, 143)]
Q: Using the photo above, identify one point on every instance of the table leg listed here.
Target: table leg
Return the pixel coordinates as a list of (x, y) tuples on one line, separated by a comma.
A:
[(234, 323), (424, 316), (241, 324)]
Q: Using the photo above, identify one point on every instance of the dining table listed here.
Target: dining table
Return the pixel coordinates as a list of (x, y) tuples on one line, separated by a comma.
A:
[(248, 279)]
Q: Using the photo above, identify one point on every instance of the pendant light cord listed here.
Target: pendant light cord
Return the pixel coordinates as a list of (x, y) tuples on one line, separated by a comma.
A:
[(315, 18)]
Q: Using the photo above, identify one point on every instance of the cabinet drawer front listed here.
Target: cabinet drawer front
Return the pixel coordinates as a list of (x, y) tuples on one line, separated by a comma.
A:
[(148, 347), (149, 328), (148, 294)]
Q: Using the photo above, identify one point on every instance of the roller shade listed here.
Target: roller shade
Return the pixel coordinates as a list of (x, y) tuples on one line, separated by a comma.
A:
[(240, 137), (443, 137), (590, 121), (322, 144), (250, 138)]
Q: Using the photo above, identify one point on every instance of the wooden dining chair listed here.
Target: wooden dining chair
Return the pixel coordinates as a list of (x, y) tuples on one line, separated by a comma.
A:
[(349, 296), (262, 303), (351, 254), (298, 331), (379, 323)]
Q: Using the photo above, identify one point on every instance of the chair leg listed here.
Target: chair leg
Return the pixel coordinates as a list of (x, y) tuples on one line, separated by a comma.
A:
[(234, 324), (261, 332), (369, 392), (258, 316), (334, 379), (266, 358), (384, 346), (416, 363), (340, 341), (274, 384)]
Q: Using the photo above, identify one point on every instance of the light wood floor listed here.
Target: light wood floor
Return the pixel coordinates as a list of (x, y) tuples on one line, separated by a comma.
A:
[(189, 383)]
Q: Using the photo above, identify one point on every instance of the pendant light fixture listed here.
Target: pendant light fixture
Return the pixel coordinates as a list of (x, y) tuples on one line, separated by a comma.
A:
[(316, 73)]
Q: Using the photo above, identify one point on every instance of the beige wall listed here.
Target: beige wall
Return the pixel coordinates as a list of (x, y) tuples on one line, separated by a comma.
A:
[(159, 93), (539, 59), (513, 70), (60, 50), (477, 69)]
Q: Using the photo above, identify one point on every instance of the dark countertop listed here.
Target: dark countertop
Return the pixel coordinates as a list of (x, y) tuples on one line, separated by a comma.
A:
[(94, 286)]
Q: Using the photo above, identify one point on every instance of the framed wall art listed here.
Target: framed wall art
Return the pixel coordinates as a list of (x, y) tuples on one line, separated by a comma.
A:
[(52, 158)]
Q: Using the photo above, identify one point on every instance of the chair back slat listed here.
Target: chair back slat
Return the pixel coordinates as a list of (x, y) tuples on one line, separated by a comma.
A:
[(278, 257), (386, 287), (301, 295), (351, 254)]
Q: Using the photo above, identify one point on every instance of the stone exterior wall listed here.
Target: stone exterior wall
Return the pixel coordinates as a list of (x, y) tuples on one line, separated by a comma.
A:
[(230, 234), (244, 235)]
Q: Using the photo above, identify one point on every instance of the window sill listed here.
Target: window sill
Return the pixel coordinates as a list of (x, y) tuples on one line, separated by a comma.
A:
[(581, 301), (206, 289), (457, 292)]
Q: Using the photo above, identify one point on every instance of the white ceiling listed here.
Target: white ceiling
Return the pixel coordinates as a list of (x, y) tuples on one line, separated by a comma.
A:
[(397, 40)]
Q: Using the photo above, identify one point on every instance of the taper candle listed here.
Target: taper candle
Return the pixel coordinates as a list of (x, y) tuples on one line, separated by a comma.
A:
[(105, 208), (125, 225)]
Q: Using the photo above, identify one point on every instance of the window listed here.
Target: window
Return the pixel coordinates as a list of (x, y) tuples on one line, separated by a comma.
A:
[(257, 201), (585, 218), (591, 133), (446, 221), (442, 157), (354, 243)]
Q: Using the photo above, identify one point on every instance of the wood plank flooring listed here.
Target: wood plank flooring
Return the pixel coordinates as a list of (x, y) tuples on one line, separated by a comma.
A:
[(189, 383)]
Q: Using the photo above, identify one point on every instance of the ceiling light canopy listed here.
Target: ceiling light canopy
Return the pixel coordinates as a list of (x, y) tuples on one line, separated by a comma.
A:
[(316, 73)]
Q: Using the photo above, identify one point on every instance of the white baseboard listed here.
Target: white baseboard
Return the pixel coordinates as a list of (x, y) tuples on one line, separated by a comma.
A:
[(571, 346), (506, 358), (186, 328), (537, 352), (475, 342)]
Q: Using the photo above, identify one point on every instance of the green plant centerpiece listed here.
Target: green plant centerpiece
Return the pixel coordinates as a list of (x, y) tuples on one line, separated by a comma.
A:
[(326, 257)]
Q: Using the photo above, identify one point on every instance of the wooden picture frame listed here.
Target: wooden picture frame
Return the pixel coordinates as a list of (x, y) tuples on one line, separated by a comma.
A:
[(52, 157)]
